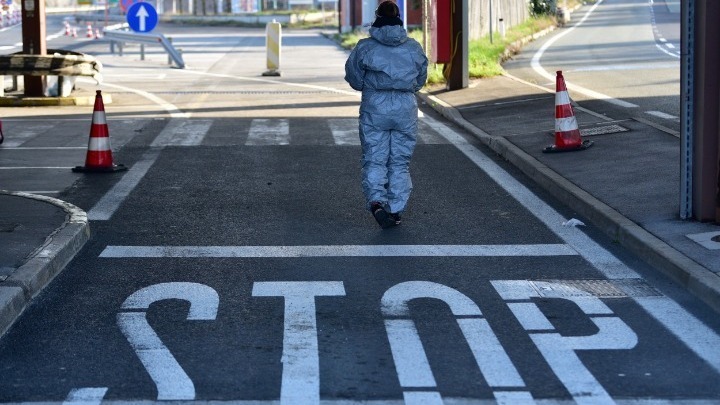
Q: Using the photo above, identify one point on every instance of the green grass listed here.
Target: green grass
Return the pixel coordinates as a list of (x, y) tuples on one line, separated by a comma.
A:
[(484, 58)]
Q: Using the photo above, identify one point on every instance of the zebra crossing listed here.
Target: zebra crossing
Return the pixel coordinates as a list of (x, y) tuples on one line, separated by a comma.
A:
[(273, 132), (24, 134)]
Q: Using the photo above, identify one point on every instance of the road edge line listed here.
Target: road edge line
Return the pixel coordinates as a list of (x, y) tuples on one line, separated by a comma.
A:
[(695, 278)]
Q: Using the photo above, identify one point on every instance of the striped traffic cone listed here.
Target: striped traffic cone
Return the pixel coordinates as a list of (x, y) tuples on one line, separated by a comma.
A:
[(567, 134), (89, 33), (99, 155)]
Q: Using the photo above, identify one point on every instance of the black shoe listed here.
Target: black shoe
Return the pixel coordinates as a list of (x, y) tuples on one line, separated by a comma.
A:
[(381, 216), (396, 218)]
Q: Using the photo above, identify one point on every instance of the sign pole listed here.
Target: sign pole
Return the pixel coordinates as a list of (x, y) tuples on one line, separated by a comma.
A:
[(34, 42)]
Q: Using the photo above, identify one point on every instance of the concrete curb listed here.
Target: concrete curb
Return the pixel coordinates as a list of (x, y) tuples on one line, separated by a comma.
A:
[(695, 278), (18, 290), (21, 101)]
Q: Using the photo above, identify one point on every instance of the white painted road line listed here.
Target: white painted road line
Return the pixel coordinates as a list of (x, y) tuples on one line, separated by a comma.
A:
[(85, 396), (337, 251), (699, 338), (170, 379), (663, 115), (345, 131), (269, 132), (300, 357), (535, 63), (181, 132), (111, 201)]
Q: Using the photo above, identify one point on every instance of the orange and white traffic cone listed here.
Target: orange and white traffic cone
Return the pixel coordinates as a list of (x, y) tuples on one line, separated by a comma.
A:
[(97, 33), (567, 134), (67, 29), (89, 31), (99, 155), (74, 32)]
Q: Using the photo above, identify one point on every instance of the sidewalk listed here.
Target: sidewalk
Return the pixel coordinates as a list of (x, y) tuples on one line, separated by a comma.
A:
[(38, 236), (627, 184)]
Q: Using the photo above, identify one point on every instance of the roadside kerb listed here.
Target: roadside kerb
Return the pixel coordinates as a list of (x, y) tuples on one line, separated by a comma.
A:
[(695, 278), (18, 290)]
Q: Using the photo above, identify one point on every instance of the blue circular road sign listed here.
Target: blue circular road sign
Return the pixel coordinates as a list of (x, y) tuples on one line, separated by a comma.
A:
[(142, 17)]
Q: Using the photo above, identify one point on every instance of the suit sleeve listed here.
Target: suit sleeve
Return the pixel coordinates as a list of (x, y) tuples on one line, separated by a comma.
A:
[(422, 74), (354, 72)]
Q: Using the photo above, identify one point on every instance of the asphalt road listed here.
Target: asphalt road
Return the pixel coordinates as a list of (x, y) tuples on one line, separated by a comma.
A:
[(234, 260), (619, 57)]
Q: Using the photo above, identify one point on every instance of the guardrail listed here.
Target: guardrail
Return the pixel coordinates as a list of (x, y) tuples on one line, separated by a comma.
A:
[(118, 34), (57, 62)]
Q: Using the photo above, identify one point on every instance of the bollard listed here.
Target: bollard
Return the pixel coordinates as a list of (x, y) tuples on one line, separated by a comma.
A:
[(273, 45), (170, 61), (501, 27), (142, 51)]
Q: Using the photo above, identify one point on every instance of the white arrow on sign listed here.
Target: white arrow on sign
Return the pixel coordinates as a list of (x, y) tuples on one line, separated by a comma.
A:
[(142, 14)]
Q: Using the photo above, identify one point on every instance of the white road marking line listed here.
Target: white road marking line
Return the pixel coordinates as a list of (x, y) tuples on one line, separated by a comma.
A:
[(300, 356), (345, 131), (411, 363), (170, 379), (651, 66), (269, 132), (662, 115), (515, 399), (170, 108), (35, 167), (337, 251), (85, 396), (535, 63), (255, 79), (183, 133), (19, 136), (43, 147), (560, 351), (111, 201), (699, 338)]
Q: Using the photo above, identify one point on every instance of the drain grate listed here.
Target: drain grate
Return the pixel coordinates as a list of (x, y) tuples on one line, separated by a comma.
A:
[(623, 288), (603, 130)]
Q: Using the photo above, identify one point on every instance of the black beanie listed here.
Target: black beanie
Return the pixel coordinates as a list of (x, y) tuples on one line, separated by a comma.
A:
[(383, 21)]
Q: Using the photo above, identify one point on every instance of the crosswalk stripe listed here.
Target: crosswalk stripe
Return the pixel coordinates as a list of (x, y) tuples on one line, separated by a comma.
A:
[(182, 132), (345, 131), (269, 132)]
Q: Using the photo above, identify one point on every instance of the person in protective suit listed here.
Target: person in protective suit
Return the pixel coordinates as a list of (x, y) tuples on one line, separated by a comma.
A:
[(388, 68)]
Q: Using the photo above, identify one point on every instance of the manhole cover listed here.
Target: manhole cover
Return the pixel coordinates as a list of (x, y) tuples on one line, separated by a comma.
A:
[(596, 288), (603, 130)]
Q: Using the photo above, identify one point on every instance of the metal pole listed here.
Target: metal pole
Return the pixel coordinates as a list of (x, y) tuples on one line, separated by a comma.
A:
[(34, 42), (687, 23), (491, 24)]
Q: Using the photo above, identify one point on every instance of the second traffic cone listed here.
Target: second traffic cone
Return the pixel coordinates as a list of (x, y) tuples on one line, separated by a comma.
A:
[(567, 134), (89, 31), (99, 155)]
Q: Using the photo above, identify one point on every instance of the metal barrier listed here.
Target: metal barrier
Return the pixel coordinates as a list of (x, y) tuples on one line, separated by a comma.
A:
[(57, 62), (118, 34)]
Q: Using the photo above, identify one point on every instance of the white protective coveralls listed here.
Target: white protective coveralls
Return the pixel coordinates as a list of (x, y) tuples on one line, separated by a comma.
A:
[(388, 68)]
